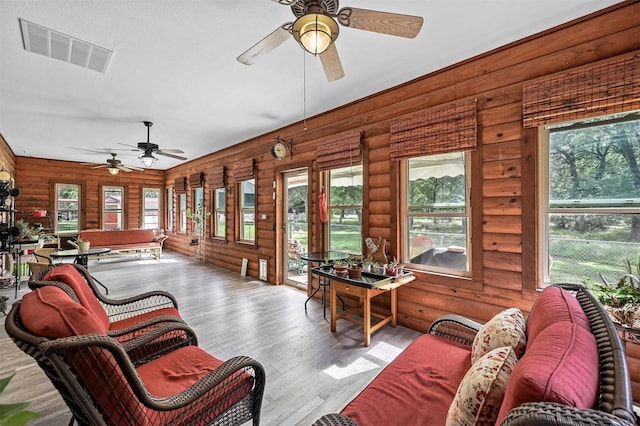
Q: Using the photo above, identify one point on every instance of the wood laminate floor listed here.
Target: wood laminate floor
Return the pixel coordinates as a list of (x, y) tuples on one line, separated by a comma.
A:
[(310, 371)]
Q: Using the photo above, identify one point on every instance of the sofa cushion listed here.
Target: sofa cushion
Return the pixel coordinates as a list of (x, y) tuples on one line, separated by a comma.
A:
[(100, 238), (480, 394), (416, 388), (561, 365), (140, 318), (50, 312), (69, 275), (553, 305), (506, 328)]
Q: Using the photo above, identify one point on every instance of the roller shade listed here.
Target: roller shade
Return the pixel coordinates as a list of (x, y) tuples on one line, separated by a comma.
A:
[(180, 185), (585, 92), (216, 177), (436, 130), (243, 170), (340, 150), (196, 180)]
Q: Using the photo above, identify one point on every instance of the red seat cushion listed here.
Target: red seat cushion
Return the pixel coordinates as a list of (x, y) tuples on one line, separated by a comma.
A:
[(131, 321), (553, 305), (561, 365), (417, 388), (68, 274)]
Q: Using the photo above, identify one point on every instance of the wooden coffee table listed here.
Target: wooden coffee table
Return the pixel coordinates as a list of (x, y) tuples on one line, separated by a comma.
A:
[(365, 288)]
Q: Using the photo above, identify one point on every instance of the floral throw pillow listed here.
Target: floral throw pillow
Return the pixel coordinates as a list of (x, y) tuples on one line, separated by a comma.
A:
[(507, 328), (481, 391)]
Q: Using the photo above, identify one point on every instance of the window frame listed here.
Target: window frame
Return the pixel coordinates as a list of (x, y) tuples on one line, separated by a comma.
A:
[(144, 209), (216, 194), (121, 211), (545, 210), (331, 207), (404, 217), (242, 210), (169, 211), (79, 209), (182, 213)]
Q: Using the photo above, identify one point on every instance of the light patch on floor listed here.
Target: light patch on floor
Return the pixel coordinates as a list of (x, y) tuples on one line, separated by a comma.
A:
[(148, 261), (385, 352), (360, 365)]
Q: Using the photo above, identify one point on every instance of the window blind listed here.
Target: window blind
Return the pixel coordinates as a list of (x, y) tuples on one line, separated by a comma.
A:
[(436, 130), (339, 150), (196, 180), (585, 92), (243, 170), (216, 177), (180, 185)]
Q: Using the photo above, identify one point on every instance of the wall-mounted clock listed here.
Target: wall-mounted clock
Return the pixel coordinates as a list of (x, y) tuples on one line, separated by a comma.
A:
[(281, 148)]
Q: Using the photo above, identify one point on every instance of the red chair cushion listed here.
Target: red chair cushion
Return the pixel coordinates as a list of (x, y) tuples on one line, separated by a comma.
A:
[(50, 312), (417, 388), (561, 365), (69, 275), (554, 305)]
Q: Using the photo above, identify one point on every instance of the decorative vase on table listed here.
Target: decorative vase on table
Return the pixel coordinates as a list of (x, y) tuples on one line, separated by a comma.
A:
[(83, 246)]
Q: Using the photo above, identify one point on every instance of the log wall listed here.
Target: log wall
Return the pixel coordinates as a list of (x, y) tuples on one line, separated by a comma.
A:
[(504, 177)]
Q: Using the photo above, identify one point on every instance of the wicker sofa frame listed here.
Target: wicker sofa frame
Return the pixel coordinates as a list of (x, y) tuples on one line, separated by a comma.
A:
[(614, 403), (64, 359)]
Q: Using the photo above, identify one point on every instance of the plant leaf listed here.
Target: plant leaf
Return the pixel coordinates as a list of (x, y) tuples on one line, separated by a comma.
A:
[(17, 419), (5, 381)]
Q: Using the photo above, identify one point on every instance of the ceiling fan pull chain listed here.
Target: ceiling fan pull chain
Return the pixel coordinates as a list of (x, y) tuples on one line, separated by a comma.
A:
[(304, 91)]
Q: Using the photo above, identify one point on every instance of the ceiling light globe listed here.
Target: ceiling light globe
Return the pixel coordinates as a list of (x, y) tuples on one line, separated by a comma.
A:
[(114, 170), (148, 160), (315, 32)]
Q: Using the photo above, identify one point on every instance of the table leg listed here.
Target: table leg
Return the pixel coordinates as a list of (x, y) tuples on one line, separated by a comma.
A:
[(394, 307), (333, 307), (366, 314)]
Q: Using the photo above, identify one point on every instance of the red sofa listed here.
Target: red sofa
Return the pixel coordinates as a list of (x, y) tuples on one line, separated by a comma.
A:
[(130, 241), (565, 366)]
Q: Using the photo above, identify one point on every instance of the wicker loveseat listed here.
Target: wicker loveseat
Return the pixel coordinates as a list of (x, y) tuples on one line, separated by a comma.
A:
[(570, 370)]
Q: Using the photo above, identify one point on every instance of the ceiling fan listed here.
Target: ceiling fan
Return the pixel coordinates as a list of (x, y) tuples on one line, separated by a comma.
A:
[(148, 149), (114, 165), (315, 28)]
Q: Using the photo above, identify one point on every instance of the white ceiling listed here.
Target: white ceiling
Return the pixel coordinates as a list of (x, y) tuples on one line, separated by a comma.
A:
[(174, 63)]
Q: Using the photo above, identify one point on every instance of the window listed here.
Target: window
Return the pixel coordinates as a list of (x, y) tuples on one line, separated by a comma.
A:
[(198, 212), (170, 209), (67, 208), (219, 210), (182, 205), (112, 208), (151, 208), (437, 214), (247, 211), (590, 198), (345, 209)]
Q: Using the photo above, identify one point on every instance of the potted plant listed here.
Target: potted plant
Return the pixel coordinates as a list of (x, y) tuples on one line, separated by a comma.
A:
[(622, 298), (367, 263), (377, 268), (197, 217), (326, 264), (341, 267), (355, 271)]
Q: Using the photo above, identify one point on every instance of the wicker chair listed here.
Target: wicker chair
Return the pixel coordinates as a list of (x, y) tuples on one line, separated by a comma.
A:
[(123, 319), (101, 386)]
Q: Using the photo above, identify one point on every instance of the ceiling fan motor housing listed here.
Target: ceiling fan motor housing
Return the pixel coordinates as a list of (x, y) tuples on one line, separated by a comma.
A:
[(325, 7)]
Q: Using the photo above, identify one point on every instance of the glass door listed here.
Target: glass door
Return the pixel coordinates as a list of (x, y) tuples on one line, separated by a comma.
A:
[(296, 226)]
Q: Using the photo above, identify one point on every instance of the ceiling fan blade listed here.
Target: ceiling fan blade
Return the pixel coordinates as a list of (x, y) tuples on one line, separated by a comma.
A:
[(173, 151), (286, 2), (129, 168), (166, 154), (266, 45), (380, 22), (331, 63), (132, 146), (100, 166)]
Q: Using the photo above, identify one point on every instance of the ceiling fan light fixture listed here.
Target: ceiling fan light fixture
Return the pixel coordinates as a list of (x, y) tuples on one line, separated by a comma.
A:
[(148, 159), (114, 170), (315, 32)]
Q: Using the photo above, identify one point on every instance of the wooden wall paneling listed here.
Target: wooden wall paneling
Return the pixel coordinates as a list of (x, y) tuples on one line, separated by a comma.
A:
[(504, 172), (7, 157)]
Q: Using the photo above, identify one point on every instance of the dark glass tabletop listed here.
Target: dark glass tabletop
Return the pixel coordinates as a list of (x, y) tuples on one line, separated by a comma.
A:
[(320, 256)]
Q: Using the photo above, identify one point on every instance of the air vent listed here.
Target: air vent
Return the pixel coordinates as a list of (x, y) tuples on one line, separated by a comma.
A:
[(41, 40)]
